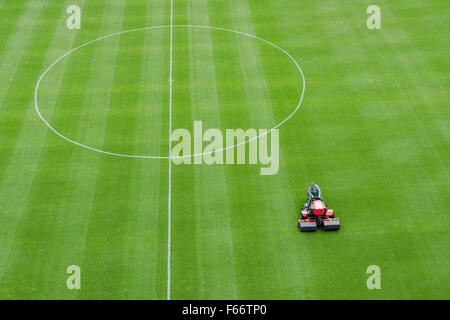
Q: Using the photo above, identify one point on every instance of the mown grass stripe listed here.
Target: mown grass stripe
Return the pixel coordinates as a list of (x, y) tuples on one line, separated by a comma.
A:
[(234, 114), (214, 244), (67, 181), (283, 89), (13, 65), (419, 111), (148, 243), (23, 157), (184, 234), (255, 88), (103, 54)]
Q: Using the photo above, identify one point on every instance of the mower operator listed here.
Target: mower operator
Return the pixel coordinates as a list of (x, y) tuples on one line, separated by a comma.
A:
[(313, 193)]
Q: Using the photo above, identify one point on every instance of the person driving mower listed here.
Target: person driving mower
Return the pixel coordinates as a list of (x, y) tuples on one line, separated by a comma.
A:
[(313, 193)]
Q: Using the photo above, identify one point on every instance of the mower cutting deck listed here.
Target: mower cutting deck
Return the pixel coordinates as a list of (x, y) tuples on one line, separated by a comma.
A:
[(317, 215)]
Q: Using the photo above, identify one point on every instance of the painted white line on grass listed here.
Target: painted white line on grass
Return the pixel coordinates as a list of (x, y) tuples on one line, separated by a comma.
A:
[(302, 80), (169, 213)]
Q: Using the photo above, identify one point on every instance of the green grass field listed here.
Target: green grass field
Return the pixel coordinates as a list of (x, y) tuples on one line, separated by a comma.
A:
[(372, 131)]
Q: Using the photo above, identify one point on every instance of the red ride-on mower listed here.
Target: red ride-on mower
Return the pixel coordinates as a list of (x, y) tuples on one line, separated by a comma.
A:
[(317, 215)]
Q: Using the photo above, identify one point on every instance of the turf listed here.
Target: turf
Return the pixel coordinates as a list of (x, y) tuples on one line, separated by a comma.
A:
[(372, 132)]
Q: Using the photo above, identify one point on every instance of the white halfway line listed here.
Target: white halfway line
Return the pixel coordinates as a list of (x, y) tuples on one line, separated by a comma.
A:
[(169, 214)]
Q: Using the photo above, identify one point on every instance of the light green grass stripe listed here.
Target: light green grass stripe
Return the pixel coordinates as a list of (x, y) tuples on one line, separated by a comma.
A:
[(20, 173)]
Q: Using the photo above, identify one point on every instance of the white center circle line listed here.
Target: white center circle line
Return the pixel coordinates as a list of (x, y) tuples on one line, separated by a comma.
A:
[(303, 81)]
